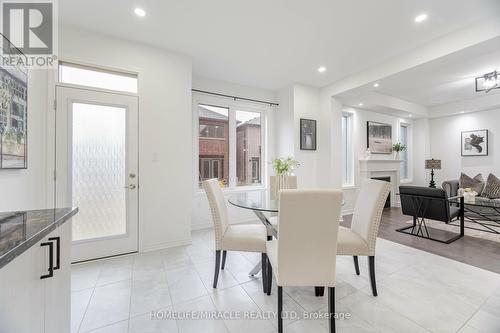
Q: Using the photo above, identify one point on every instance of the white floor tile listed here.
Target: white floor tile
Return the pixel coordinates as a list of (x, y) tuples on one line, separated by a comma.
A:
[(146, 324), (184, 284), (79, 302), (418, 292), (109, 304)]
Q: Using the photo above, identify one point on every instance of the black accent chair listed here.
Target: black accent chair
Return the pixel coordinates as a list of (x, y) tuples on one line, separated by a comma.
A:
[(429, 203)]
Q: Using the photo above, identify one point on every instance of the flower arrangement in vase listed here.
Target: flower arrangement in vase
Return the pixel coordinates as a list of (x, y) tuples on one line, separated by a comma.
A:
[(398, 148), (283, 167)]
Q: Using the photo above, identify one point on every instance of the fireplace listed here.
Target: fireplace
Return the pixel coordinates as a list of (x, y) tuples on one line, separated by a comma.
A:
[(385, 179)]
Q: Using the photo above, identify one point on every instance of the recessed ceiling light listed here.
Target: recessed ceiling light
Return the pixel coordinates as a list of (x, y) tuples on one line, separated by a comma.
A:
[(462, 111), (322, 69), (140, 12), (410, 115), (360, 104), (420, 18), (376, 85)]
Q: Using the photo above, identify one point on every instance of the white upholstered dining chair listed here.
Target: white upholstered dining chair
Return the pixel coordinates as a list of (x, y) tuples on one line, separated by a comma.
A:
[(232, 237), (360, 239), (292, 185), (304, 253)]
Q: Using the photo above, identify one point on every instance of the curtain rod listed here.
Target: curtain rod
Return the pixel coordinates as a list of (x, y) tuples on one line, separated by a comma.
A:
[(235, 97)]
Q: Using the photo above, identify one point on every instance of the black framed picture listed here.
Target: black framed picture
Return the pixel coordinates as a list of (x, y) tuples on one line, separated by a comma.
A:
[(13, 113), (379, 137), (307, 134), (475, 143)]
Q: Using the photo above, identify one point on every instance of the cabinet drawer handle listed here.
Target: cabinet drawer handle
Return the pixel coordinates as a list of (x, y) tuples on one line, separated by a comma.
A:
[(51, 260), (58, 251)]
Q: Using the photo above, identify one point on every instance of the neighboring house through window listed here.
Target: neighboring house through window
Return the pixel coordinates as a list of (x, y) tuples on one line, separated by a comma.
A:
[(234, 163)]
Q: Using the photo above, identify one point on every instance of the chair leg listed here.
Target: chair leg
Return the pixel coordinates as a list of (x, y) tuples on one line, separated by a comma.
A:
[(356, 264), (264, 272), (280, 309), (319, 291), (269, 274), (331, 308), (224, 253), (371, 266), (217, 267)]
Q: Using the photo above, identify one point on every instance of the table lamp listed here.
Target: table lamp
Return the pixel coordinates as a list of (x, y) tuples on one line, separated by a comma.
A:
[(432, 165)]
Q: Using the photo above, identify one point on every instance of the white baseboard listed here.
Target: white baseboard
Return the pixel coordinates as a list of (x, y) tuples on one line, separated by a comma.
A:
[(166, 245), (347, 212)]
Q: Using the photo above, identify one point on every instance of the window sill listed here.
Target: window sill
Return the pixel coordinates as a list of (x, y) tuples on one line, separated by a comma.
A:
[(349, 187), (406, 181)]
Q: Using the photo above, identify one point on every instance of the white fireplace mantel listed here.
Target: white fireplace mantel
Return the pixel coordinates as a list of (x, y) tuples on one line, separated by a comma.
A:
[(383, 168)]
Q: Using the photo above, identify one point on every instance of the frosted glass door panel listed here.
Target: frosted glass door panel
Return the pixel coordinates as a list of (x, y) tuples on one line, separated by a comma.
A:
[(99, 171)]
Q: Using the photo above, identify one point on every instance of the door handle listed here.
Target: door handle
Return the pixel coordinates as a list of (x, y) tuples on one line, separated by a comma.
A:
[(51, 260), (58, 251), (130, 187)]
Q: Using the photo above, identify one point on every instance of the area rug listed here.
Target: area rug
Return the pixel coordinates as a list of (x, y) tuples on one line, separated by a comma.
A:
[(468, 232)]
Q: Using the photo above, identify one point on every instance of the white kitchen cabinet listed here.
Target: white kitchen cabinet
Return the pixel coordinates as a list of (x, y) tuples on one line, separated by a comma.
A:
[(29, 304)]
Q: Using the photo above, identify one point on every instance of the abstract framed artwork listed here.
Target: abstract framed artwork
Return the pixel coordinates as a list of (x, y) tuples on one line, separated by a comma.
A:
[(475, 143), (307, 134), (13, 115), (379, 137)]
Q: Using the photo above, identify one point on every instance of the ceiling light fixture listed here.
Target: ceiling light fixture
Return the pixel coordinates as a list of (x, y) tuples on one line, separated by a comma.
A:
[(360, 104), (488, 82), (322, 69), (140, 12), (410, 115), (420, 18), (376, 85)]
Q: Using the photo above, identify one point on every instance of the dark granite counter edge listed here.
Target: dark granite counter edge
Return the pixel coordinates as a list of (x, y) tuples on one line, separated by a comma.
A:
[(27, 244)]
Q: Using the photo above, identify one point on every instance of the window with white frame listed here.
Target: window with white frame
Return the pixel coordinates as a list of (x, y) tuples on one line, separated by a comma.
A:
[(346, 146), (230, 138), (97, 77), (403, 138)]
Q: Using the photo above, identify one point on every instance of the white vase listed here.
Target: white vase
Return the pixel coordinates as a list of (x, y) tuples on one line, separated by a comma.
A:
[(396, 155)]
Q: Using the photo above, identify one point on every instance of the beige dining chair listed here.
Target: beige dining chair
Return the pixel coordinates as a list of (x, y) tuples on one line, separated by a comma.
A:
[(292, 184), (305, 251), (232, 237), (360, 239)]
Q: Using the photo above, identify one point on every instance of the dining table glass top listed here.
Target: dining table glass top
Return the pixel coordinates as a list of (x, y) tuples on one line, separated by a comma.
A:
[(261, 201), (255, 200)]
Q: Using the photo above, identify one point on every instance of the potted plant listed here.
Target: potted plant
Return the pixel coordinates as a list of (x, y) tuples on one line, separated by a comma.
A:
[(283, 168), (398, 147)]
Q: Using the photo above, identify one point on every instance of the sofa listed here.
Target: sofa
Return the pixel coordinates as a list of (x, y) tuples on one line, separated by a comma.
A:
[(487, 190)]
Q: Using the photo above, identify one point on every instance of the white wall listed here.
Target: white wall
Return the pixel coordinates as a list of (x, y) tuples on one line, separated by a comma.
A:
[(201, 215), (360, 118), (421, 151), (306, 106), (31, 188), (445, 138), (165, 129)]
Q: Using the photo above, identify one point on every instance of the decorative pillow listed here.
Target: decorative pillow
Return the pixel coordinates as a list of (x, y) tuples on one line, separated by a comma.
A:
[(476, 184), (492, 188)]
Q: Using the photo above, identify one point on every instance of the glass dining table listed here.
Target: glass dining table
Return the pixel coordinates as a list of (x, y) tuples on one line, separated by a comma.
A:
[(260, 202)]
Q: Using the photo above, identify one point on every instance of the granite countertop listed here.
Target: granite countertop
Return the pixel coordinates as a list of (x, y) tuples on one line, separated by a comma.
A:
[(21, 230)]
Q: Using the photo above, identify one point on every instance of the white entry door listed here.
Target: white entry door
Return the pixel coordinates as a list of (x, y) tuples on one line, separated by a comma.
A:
[(97, 169)]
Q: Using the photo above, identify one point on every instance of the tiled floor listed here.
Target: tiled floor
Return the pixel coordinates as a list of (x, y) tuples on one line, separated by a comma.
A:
[(418, 292)]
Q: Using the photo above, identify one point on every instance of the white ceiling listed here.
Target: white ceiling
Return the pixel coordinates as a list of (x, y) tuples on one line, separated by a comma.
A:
[(273, 43), (446, 80)]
